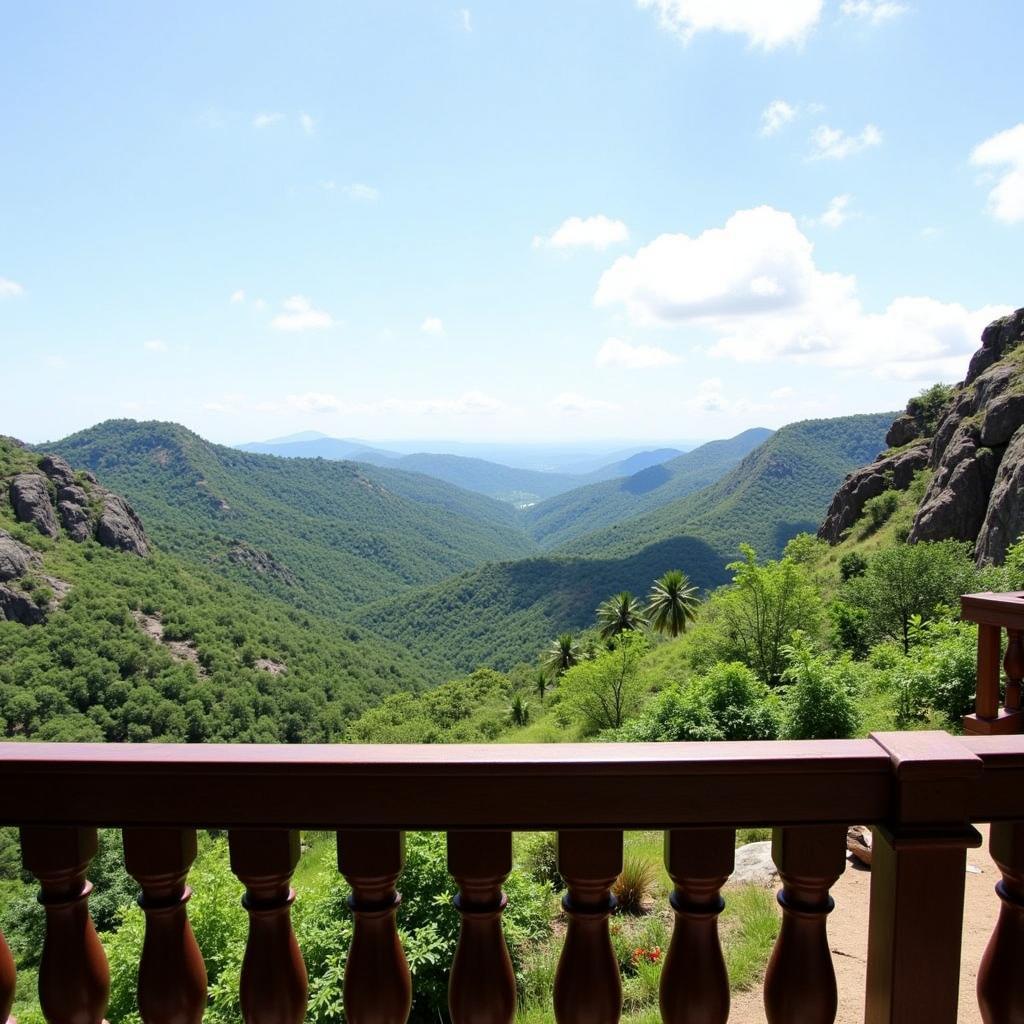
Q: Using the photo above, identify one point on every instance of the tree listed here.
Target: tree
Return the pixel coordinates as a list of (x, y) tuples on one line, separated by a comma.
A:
[(562, 654), (907, 580), (608, 690), (619, 614), (519, 712), (818, 705), (765, 603), (540, 683), (672, 603)]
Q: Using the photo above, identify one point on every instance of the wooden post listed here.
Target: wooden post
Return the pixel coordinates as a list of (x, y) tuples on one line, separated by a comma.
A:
[(378, 988), (8, 979), (172, 975), (917, 881), (800, 982), (1013, 666), (694, 983), (273, 983), (74, 980), (986, 704), (482, 985), (1000, 980), (588, 989)]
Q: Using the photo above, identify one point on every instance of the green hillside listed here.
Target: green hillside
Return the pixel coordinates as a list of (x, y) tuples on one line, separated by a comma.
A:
[(780, 489), (501, 614), (559, 520), (322, 535), (230, 665)]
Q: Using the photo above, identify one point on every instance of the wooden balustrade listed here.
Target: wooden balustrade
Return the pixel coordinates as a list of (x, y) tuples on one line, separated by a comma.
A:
[(995, 613), (921, 792)]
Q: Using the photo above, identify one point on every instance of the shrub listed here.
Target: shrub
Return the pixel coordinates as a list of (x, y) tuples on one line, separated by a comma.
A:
[(878, 510), (818, 705), (851, 565), (634, 888), (538, 857)]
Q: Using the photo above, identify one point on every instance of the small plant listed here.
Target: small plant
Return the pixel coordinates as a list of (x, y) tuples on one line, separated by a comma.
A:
[(519, 712), (634, 887), (538, 857)]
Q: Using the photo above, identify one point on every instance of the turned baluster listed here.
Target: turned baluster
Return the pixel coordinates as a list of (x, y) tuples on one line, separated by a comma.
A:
[(482, 986), (1000, 981), (800, 983), (7, 979), (694, 983), (172, 975), (1013, 665), (378, 988), (986, 703), (273, 984), (588, 989), (74, 981)]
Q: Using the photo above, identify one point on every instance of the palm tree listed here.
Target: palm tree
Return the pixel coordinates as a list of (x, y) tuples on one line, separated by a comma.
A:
[(519, 712), (619, 614), (672, 603), (563, 653), (541, 683)]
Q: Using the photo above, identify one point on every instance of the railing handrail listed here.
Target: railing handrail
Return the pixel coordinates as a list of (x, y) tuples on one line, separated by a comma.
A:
[(518, 787)]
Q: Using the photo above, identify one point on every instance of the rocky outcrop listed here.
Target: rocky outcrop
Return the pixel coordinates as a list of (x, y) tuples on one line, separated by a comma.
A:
[(30, 498), (57, 470), (119, 527), (887, 472), (75, 518), (15, 558), (975, 449), (18, 607), (257, 560)]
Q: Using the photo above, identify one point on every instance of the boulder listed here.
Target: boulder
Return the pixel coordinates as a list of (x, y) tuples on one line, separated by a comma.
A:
[(1002, 418), (1001, 336), (74, 494), (954, 505), (903, 430), (754, 865), (76, 520), (18, 607), (858, 843), (15, 558), (1004, 517), (30, 497), (120, 528), (57, 470)]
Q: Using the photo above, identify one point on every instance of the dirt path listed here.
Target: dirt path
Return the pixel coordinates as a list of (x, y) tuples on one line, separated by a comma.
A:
[(848, 937)]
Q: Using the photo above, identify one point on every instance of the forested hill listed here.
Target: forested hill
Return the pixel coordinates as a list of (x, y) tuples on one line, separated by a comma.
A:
[(780, 489), (323, 535), (102, 641), (560, 519)]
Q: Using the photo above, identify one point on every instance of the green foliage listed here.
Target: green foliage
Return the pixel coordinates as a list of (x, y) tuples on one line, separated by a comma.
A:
[(818, 703), (619, 614), (604, 692), (910, 579), (634, 888), (927, 408), (672, 603), (537, 854), (562, 654), (852, 565), (878, 510), (765, 604)]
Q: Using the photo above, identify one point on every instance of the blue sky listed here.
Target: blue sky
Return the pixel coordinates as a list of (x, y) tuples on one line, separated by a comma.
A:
[(651, 220)]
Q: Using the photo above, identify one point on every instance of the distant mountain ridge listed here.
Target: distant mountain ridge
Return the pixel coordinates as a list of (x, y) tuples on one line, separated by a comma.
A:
[(560, 519), (322, 535)]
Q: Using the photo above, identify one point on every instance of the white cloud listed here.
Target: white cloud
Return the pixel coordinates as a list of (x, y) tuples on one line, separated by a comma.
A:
[(779, 394), (314, 401), (238, 295), (754, 285), (432, 325), (300, 315), (597, 232), (570, 403), (470, 403), (466, 18), (1004, 150), (837, 213), (777, 114), (356, 191), (155, 345), (765, 24), (266, 120), (873, 11), (621, 354), (834, 144), (308, 123), (10, 289)]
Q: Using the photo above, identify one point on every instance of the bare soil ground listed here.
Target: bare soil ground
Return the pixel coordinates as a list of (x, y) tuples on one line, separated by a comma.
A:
[(848, 937)]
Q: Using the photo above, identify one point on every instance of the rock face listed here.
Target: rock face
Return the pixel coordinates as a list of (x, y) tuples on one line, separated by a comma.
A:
[(976, 492), (15, 558), (30, 498), (119, 527), (887, 472), (18, 607)]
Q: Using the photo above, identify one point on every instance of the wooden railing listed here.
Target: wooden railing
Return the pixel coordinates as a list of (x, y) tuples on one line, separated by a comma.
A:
[(921, 791), (994, 613)]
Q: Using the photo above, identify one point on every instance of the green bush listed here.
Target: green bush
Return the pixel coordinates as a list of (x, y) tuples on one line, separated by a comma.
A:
[(818, 704)]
